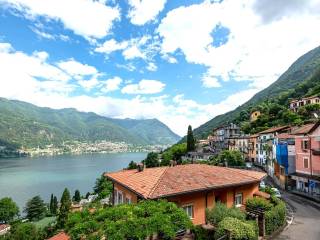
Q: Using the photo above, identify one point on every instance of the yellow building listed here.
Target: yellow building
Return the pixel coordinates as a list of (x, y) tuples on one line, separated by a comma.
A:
[(254, 116)]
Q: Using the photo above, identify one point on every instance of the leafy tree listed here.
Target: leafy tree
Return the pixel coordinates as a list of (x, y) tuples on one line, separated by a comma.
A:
[(146, 218), (8, 209), (77, 196), (35, 208), (175, 152), (132, 165), (231, 157), (221, 211), (191, 143), (64, 208), (26, 231), (103, 187), (152, 160)]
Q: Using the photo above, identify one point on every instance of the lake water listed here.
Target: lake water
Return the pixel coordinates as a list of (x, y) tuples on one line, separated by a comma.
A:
[(23, 178)]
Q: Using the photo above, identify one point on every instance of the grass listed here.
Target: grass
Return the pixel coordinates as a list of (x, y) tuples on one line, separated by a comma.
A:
[(44, 222)]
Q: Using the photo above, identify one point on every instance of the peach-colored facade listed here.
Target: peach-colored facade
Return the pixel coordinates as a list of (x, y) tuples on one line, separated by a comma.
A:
[(202, 200)]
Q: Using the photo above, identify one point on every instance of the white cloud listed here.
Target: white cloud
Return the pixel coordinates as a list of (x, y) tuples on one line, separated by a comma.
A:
[(210, 82), (112, 84), (152, 67), (143, 11), (111, 46), (88, 18), (77, 69), (89, 84), (133, 52), (144, 87), (259, 47)]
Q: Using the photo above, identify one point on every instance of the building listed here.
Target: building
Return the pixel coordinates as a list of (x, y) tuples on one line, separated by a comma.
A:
[(307, 142), (254, 116), (193, 187), (297, 103), (266, 154), (253, 147), (4, 229), (60, 236), (241, 144), (285, 161)]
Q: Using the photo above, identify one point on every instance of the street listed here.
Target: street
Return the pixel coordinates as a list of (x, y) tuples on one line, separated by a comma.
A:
[(306, 219)]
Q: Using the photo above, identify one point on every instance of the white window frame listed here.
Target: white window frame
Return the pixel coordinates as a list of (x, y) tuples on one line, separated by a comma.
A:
[(120, 197), (186, 209), (236, 202)]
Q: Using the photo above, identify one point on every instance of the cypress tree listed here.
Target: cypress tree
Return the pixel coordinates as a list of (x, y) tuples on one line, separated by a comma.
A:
[(51, 204), (191, 143), (64, 208), (77, 196), (55, 205)]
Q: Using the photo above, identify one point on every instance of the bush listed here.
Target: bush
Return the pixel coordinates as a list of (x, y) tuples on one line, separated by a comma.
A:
[(275, 217), (202, 234), (238, 229), (221, 211), (258, 203)]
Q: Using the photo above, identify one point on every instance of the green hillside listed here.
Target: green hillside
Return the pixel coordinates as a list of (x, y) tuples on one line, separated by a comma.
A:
[(27, 125), (301, 79)]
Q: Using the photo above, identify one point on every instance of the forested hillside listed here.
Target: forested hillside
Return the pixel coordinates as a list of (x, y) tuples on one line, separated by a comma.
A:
[(24, 124), (301, 79)]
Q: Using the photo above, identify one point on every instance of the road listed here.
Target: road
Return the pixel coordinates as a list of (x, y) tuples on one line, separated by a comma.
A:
[(306, 219)]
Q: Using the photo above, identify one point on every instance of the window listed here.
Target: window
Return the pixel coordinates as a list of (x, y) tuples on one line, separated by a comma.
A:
[(305, 144), (281, 170), (128, 200), (189, 210), (238, 200), (306, 162), (118, 197)]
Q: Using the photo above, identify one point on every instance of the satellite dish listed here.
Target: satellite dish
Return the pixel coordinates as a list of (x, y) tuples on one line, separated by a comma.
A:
[(315, 115)]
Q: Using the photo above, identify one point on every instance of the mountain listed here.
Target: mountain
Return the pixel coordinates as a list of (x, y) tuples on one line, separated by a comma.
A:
[(27, 125), (301, 79)]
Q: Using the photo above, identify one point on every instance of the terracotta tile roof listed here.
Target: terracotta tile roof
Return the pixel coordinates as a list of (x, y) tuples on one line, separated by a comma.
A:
[(285, 136), (4, 226), (305, 129), (274, 129), (60, 236), (153, 183), (254, 136)]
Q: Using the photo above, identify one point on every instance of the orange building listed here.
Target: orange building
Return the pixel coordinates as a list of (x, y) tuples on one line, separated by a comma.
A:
[(194, 187), (252, 149)]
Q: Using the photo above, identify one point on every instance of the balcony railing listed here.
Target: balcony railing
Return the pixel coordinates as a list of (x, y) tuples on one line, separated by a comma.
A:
[(316, 152)]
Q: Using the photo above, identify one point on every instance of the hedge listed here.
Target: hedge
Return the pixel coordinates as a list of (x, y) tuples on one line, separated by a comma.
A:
[(238, 229), (258, 203), (221, 211), (275, 217)]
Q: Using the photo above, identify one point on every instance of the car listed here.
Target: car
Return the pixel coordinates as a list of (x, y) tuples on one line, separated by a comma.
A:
[(262, 185), (276, 192)]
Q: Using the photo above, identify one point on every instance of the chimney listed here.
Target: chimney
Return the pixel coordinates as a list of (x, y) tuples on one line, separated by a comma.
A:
[(140, 167)]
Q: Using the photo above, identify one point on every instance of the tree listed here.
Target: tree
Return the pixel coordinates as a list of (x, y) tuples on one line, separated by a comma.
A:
[(55, 206), (87, 195), (77, 196), (191, 143), (132, 165), (8, 209), (103, 187), (35, 208), (232, 158), (51, 203), (152, 160), (64, 208), (25, 231)]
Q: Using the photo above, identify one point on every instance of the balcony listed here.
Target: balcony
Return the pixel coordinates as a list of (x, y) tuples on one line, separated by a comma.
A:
[(316, 151)]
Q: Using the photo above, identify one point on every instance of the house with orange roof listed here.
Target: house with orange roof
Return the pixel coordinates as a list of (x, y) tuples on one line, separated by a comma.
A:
[(60, 236), (193, 187), (307, 142)]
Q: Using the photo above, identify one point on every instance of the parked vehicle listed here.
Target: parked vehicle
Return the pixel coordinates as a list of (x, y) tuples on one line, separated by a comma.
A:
[(276, 192)]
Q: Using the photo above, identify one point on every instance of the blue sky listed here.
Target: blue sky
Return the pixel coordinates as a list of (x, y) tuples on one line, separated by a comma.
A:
[(182, 62)]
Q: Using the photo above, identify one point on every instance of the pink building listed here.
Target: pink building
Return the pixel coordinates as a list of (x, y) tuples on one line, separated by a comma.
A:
[(307, 143)]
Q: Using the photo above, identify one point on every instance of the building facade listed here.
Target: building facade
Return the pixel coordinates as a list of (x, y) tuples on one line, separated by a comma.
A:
[(297, 103)]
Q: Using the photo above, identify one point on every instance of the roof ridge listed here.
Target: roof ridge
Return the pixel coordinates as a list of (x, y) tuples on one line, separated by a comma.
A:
[(158, 182), (235, 170)]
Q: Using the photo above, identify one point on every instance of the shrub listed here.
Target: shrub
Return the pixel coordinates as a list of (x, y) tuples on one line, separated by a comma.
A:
[(275, 217), (238, 229), (202, 234), (221, 211), (258, 203)]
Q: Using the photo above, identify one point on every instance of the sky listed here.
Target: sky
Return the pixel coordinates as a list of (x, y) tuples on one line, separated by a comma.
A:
[(180, 61)]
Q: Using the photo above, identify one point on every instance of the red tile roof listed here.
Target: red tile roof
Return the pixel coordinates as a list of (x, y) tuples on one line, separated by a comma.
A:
[(285, 136), (274, 129), (60, 236), (305, 129), (153, 183)]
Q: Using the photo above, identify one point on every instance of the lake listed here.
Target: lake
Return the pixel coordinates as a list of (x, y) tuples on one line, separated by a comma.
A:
[(23, 178)]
